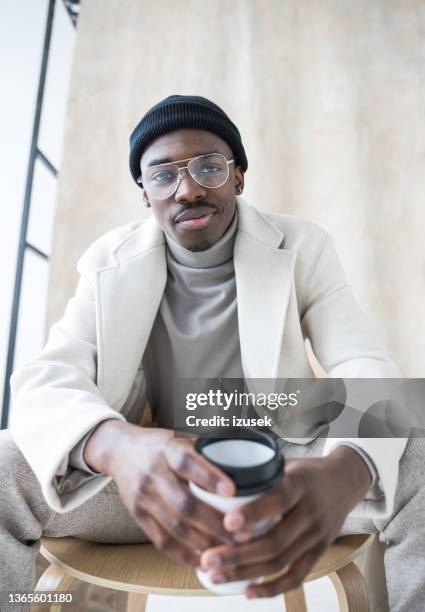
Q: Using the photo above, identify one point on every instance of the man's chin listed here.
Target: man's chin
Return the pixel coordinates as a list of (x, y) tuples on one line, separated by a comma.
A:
[(200, 246), (195, 241)]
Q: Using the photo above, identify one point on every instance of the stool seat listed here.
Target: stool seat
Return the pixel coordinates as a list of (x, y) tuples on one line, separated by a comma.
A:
[(140, 568)]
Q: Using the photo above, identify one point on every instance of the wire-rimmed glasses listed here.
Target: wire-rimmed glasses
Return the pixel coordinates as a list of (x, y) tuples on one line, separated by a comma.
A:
[(162, 180)]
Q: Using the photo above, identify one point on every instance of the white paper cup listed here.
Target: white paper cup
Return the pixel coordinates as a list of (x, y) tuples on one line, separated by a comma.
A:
[(255, 464)]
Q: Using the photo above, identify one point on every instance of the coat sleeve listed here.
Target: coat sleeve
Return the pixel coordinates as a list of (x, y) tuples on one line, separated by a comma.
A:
[(56, 402), (348, 346)]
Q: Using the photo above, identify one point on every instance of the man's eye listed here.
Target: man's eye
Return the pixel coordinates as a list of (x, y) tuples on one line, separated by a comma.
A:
[(211, 169), (162, 177)]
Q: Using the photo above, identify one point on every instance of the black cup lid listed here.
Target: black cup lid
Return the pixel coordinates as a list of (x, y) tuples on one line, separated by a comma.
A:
[(249, 480)]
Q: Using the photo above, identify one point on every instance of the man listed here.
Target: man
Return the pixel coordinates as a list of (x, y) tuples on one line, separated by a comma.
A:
[(207, 287)]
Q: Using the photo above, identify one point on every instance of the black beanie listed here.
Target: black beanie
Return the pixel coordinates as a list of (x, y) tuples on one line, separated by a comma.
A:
[(177, 112)]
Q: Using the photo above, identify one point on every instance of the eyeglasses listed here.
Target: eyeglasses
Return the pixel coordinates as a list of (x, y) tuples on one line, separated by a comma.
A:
[(163, 180)]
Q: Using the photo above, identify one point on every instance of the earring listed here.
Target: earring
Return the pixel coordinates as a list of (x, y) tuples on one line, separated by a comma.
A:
[(239, 191), (147, 204)]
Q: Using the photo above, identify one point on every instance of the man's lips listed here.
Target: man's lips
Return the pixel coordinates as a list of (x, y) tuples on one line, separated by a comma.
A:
[(198, 223), (195, 213)]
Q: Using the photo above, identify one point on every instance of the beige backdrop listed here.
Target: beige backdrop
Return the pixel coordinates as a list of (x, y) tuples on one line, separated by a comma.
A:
[(329, 98)]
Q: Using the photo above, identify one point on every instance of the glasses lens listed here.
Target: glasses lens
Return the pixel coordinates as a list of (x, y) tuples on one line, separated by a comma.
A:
[(209, 170), (161, 181)]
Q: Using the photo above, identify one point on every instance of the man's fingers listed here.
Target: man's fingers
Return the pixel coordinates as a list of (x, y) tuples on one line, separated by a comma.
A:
[(280, 500), (291, 579), (264, 549), (190, 465), (233, 573), (165, 542), (206, 519), (176, 525)]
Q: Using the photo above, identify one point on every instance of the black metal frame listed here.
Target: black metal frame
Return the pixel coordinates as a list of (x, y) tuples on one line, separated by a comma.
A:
[(73, 8), (35, 154)]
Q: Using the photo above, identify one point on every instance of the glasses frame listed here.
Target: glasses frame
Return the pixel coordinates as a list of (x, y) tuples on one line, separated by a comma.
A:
[(180, 176)]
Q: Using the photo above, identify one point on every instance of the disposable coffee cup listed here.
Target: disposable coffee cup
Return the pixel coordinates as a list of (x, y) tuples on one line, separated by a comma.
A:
[(254, 462)]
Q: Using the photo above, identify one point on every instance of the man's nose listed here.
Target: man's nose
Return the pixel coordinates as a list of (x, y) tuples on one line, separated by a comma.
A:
[(188, 190)]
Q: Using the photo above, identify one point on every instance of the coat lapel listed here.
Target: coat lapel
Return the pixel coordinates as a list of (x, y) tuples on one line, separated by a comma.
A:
[(264, 275), (128, 298)]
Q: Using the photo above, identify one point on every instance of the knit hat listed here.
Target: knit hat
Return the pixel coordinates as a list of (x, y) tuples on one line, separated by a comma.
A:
[(177, 112)]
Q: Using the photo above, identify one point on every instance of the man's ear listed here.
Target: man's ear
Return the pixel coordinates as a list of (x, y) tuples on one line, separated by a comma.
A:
[(145, 198), (239, 180)]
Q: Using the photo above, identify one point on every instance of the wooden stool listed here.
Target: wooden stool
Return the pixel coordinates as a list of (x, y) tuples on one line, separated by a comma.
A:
[(141, 570)]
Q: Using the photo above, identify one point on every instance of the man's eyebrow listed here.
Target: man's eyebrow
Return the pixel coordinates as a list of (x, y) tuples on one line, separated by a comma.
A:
[(156, 162), (166, 160)]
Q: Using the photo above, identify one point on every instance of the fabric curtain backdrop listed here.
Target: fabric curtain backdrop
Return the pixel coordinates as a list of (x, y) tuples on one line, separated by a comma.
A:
[(329, 100)]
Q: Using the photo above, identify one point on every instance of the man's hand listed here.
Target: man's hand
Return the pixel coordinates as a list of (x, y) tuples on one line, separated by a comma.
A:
[(151, 468), (313, 499)]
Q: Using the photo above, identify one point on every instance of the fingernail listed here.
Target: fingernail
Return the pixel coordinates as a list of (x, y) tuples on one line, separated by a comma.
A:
[(250, 594), (224, 488), (218, 578), (235, 521), (213, 561), (242, 537)]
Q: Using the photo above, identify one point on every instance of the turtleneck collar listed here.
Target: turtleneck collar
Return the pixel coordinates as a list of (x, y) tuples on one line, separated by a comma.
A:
[(216, 255)]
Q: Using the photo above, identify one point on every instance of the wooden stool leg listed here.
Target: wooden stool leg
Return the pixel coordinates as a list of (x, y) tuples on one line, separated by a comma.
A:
[(351, 589), (53, 579), (295, 600), (137, 602)]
